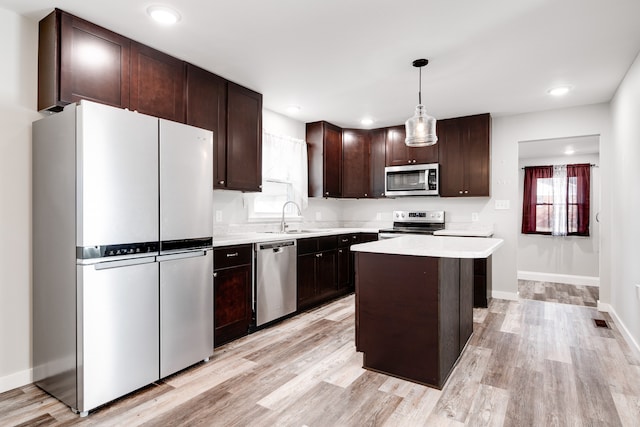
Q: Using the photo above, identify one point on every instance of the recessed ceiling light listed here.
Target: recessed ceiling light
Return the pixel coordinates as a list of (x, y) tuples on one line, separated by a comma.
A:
[(559, 90), (293, 109), (163, 15), (367, 121)]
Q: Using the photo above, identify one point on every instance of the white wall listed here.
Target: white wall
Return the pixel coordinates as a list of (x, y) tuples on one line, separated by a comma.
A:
[(506, 133), (574, 256), (18, 41), (625, 176)]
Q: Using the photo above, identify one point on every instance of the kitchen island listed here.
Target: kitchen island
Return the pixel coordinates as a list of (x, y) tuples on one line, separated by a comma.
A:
[(414, 303)]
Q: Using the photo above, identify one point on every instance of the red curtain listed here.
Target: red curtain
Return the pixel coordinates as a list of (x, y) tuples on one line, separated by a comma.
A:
[(578, 203), (531, 176), (583, 174)]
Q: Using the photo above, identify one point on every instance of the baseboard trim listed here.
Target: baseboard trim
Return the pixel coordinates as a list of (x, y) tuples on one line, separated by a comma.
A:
[(18, 379), (512, 296), (621, 327), (559, 278)]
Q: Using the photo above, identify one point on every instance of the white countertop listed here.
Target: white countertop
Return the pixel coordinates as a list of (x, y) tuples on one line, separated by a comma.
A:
[(247, 238), (433, 246), (487, 232)]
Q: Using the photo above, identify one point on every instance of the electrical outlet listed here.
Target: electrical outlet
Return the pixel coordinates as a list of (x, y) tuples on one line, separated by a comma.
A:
[(502, 204), (475, 217), (218, 216)]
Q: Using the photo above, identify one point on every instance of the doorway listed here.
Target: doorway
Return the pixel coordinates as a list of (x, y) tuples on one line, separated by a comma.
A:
[(563, 269)]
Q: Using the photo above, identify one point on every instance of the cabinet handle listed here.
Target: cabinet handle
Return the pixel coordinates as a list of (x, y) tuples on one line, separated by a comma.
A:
[(260, 186), (215, 274), (221, 182), (344, 240), (460, 192), (466, 191), (326, 194), (318, 255), (232, 255), (409, 161), (339, 251), (366, 195)]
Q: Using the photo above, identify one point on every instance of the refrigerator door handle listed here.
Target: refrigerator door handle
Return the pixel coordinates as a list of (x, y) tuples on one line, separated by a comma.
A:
[(181, 255), (123, 263)]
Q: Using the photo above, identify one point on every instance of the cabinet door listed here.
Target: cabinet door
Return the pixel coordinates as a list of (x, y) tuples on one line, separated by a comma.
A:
[(344, 268), (79, 60), (232, 308), (377, 163), (451, 158), (477, 151), (326, 269), (399, 154), (332, 161), (207, 108), (244, 139), (465, 156), (306, 274), (157, 83), (356, 148)]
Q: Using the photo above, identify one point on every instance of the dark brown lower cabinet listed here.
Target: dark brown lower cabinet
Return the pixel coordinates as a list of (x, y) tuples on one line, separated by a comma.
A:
[(232, 292), (414, 315), (317, 271), (481, 282)]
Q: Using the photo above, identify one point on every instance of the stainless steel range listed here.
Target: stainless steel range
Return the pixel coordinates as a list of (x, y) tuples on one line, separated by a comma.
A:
[(413, 222)]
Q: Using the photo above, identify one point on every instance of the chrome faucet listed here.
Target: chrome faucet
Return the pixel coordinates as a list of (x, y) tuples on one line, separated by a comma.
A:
[(283, 226)]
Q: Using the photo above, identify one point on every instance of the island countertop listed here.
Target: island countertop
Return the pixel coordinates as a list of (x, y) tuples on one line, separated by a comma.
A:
[(433, 246)]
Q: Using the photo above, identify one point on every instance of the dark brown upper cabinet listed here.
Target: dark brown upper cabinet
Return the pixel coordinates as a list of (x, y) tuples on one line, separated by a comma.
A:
[(244, 140), (356, 154), (377, 162), (157, 83), (465, 156), (324, 143), (207, 108), (79, 60), (399, 154)]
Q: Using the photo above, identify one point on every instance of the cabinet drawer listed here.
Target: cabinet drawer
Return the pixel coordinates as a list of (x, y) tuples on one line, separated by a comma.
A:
[(346, 240), (231, 256), (327, 243)]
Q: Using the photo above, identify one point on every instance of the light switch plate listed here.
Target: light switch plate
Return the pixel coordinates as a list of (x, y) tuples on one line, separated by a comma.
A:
[(475, 217), (502, 204)]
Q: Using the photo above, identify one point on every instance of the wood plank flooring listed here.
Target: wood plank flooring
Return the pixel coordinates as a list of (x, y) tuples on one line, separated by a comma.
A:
[(528, 363), (559, 292)]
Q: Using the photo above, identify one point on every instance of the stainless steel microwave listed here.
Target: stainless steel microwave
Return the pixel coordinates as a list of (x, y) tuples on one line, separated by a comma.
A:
[(412, 180)]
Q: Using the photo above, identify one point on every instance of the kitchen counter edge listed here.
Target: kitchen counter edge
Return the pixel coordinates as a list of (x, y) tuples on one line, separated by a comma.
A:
[(433, 246), (261, 237)]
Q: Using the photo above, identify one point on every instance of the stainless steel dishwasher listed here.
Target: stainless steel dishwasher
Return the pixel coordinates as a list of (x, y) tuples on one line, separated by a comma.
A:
[(275, 293)]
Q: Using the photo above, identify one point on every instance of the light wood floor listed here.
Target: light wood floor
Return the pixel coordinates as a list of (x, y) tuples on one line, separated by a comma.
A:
[(528, 363), (559, 292)]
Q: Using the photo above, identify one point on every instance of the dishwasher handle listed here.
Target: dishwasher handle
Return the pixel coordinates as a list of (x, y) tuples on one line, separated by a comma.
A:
[(276, 246)]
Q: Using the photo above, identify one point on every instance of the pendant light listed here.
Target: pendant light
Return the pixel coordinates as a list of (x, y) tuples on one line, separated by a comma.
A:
[(421, 128)]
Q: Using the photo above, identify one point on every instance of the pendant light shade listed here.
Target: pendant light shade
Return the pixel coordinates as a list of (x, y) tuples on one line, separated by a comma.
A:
[(421, 128)]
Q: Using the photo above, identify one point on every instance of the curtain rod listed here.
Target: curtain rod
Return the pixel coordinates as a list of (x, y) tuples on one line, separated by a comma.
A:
[(545, 166)]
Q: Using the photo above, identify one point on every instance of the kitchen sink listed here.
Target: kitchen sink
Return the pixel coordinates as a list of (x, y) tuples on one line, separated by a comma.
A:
[(318, 230)]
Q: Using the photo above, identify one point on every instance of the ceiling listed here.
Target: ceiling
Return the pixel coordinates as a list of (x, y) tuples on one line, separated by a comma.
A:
[(341, 60)]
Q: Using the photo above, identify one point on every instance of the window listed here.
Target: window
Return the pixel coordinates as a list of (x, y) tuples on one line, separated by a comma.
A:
[(284, 178), (556, 200)]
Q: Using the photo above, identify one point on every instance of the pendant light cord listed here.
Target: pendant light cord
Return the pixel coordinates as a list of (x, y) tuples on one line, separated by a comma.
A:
[(420, 86)]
